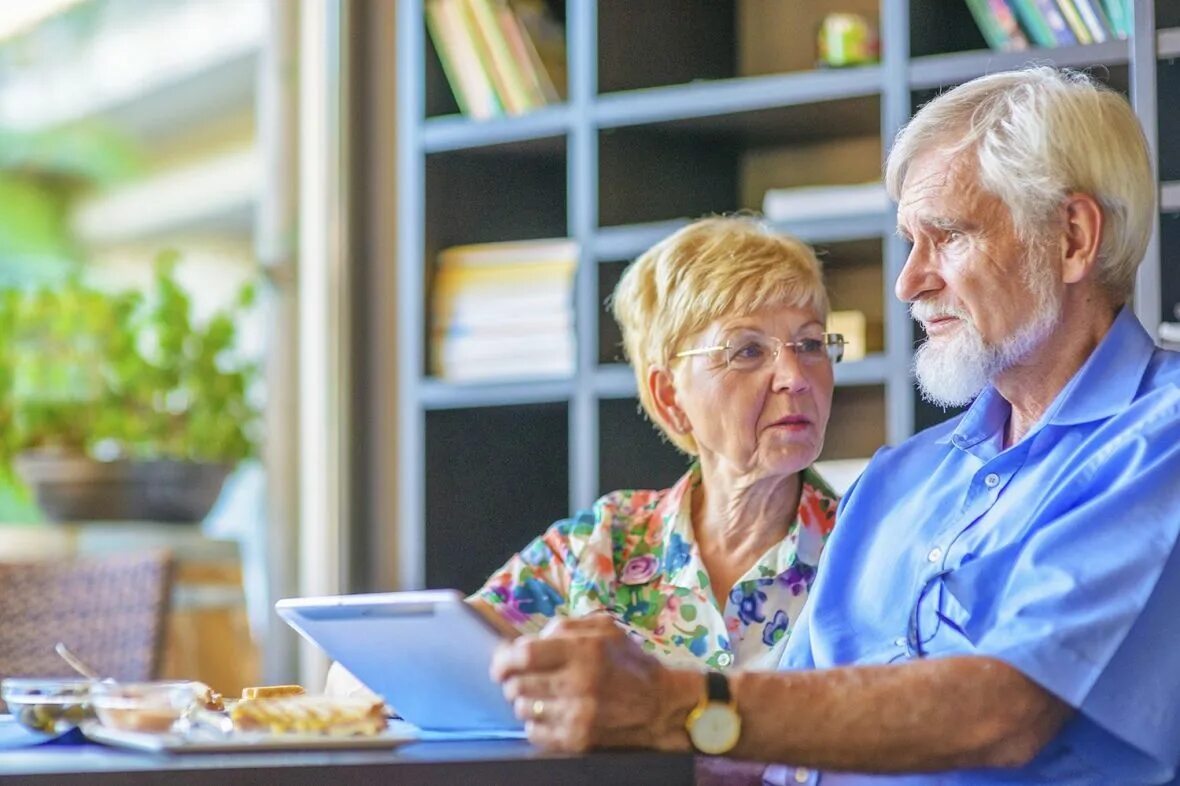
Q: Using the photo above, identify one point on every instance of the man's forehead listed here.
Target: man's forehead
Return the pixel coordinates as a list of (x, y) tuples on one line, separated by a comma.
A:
[(937, 180)]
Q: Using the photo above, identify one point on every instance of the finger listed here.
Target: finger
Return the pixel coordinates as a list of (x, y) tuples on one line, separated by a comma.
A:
[(528, 654), (534, 686), (592, 624)]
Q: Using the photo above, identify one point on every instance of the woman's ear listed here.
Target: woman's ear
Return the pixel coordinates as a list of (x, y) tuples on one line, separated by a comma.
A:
[(662, 387)]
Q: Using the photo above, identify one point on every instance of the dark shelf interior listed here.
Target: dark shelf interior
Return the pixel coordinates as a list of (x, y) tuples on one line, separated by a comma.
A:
[(939, 27), (856, 427), (689, 168), (1170, 273), (632, 454), (1168, 88), (495, 479), (610, 338), (1167, 13)]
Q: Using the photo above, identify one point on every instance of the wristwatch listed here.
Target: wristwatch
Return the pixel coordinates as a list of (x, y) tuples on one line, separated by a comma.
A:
[(714, 724)]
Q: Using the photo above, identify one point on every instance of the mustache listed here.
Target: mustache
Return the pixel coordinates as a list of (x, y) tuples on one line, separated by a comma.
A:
[(926, 311)]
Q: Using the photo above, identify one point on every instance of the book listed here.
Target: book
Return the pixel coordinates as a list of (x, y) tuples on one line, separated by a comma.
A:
[(993, 34), (445, 44), (853, 326), (1094, 19), (810, 202), (497, 56), (479, 95), (548, 37), (1118, 14), (1003, 13), (1061, 31), (526, 54), (1034, 23), (1074, 20)]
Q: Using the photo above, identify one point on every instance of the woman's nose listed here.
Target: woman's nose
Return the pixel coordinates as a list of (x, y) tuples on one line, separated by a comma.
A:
[(789, 372)]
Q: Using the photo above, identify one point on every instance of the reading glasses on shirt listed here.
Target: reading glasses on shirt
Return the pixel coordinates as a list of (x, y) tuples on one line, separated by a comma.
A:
[(755, 351)]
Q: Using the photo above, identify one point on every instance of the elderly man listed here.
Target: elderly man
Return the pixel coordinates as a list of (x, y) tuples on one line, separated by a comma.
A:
[(996, 604)]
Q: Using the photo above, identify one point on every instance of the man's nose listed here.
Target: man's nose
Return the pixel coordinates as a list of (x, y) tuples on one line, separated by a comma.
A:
[(917, 277)]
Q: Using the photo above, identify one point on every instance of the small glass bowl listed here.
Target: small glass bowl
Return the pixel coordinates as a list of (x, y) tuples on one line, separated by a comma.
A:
[(151, 707), (49, 706)]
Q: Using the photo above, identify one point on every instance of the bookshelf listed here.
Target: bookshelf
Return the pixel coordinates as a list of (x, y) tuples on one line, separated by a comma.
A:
[(673, 111)]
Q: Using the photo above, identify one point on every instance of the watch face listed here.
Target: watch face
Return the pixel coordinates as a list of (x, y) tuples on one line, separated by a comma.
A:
[(715, 729)]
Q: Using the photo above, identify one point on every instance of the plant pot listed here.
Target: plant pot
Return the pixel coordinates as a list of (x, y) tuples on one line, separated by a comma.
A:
[(75, 488)]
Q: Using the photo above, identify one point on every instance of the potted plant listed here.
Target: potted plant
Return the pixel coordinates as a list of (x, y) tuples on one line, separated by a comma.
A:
[(119, 406)]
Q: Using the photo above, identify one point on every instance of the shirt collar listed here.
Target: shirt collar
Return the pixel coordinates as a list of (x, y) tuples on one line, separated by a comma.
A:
[(1104, 385), (816, 513)]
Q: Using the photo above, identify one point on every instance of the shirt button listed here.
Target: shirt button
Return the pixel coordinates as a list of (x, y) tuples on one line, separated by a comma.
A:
[(724, 659), (899, 641), (992, 480), (802, 774), (935, 554)]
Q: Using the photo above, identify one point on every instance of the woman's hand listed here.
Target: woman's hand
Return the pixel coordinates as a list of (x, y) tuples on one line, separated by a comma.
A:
[(583, 684)]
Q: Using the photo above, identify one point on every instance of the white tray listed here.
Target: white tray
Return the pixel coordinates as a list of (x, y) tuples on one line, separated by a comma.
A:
[(239, 742)]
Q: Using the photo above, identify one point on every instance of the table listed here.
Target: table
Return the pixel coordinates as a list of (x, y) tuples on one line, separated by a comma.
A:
[(413, 764)]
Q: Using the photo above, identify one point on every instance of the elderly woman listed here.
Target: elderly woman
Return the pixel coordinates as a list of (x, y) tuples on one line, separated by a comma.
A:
[(723, 323)]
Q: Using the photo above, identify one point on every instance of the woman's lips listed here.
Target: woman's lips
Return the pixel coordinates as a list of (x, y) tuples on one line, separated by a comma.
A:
[(792, 423)]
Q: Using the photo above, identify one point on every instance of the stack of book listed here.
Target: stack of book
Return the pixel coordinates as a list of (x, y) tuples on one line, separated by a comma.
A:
[(504, 310), (1013, 25), (500, 58), (806, 203)]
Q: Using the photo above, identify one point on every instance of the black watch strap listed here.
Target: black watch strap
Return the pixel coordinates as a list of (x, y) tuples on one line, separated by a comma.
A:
[(717, 687)]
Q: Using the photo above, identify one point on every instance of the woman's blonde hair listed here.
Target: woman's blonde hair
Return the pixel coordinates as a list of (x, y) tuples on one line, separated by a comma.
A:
[(1037, 134), (716, 267)]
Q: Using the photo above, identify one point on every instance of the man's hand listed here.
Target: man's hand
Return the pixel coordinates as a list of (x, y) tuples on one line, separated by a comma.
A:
[(583, 684)]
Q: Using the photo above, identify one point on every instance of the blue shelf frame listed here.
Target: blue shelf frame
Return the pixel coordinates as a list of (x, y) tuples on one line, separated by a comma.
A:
[(579, 122)]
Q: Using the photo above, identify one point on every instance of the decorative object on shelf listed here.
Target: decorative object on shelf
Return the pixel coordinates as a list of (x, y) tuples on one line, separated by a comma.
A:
[(806, 203), (847, 40), (499, 58), (116, 405), (504, 310), (1009, 25)]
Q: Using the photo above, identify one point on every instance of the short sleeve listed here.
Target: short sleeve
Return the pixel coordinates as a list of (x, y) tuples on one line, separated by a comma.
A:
[(548, 576), (1085, 605)]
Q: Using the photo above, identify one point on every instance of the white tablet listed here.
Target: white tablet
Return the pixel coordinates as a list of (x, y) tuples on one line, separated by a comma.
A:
[(426, 653)]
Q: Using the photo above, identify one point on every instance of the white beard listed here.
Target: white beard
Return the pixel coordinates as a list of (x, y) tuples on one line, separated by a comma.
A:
[(953, 370)]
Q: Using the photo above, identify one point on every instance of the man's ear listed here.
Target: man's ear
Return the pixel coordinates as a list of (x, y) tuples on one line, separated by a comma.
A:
[(1084, 225), (662, 387)]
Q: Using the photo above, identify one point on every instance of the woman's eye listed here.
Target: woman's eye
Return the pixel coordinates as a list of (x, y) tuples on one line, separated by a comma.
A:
[(810, 346), (749, 350)]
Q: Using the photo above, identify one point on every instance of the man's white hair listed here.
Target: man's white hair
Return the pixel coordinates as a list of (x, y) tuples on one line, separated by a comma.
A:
[(1039, 134)]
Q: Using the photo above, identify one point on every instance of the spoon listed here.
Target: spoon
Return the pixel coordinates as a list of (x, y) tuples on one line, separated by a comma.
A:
[(76, 663)]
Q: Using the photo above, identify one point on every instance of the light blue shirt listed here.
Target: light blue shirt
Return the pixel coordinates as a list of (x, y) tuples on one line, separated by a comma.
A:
[(1057, 555)]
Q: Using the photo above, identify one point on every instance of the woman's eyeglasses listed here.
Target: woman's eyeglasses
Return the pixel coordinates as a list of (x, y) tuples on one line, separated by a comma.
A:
[(755, 351)]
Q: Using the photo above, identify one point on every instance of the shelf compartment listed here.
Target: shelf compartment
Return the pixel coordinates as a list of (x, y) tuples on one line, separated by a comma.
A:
[(1169, 274), (856, 427), (454, 132), (854, 273), (682, 169), (495, 479), (1168, 109), (645, 45)]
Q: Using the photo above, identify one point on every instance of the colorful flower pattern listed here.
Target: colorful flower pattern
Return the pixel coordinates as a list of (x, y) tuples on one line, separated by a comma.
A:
[(634, 557)]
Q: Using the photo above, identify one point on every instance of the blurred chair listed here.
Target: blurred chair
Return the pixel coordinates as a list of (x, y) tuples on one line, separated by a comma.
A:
[(110, 610)]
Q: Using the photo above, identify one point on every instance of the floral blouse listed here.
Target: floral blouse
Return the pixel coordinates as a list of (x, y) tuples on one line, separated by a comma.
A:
[(634, 556)]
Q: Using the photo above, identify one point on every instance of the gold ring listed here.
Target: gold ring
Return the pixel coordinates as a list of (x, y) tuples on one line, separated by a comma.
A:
[(538, 709)]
